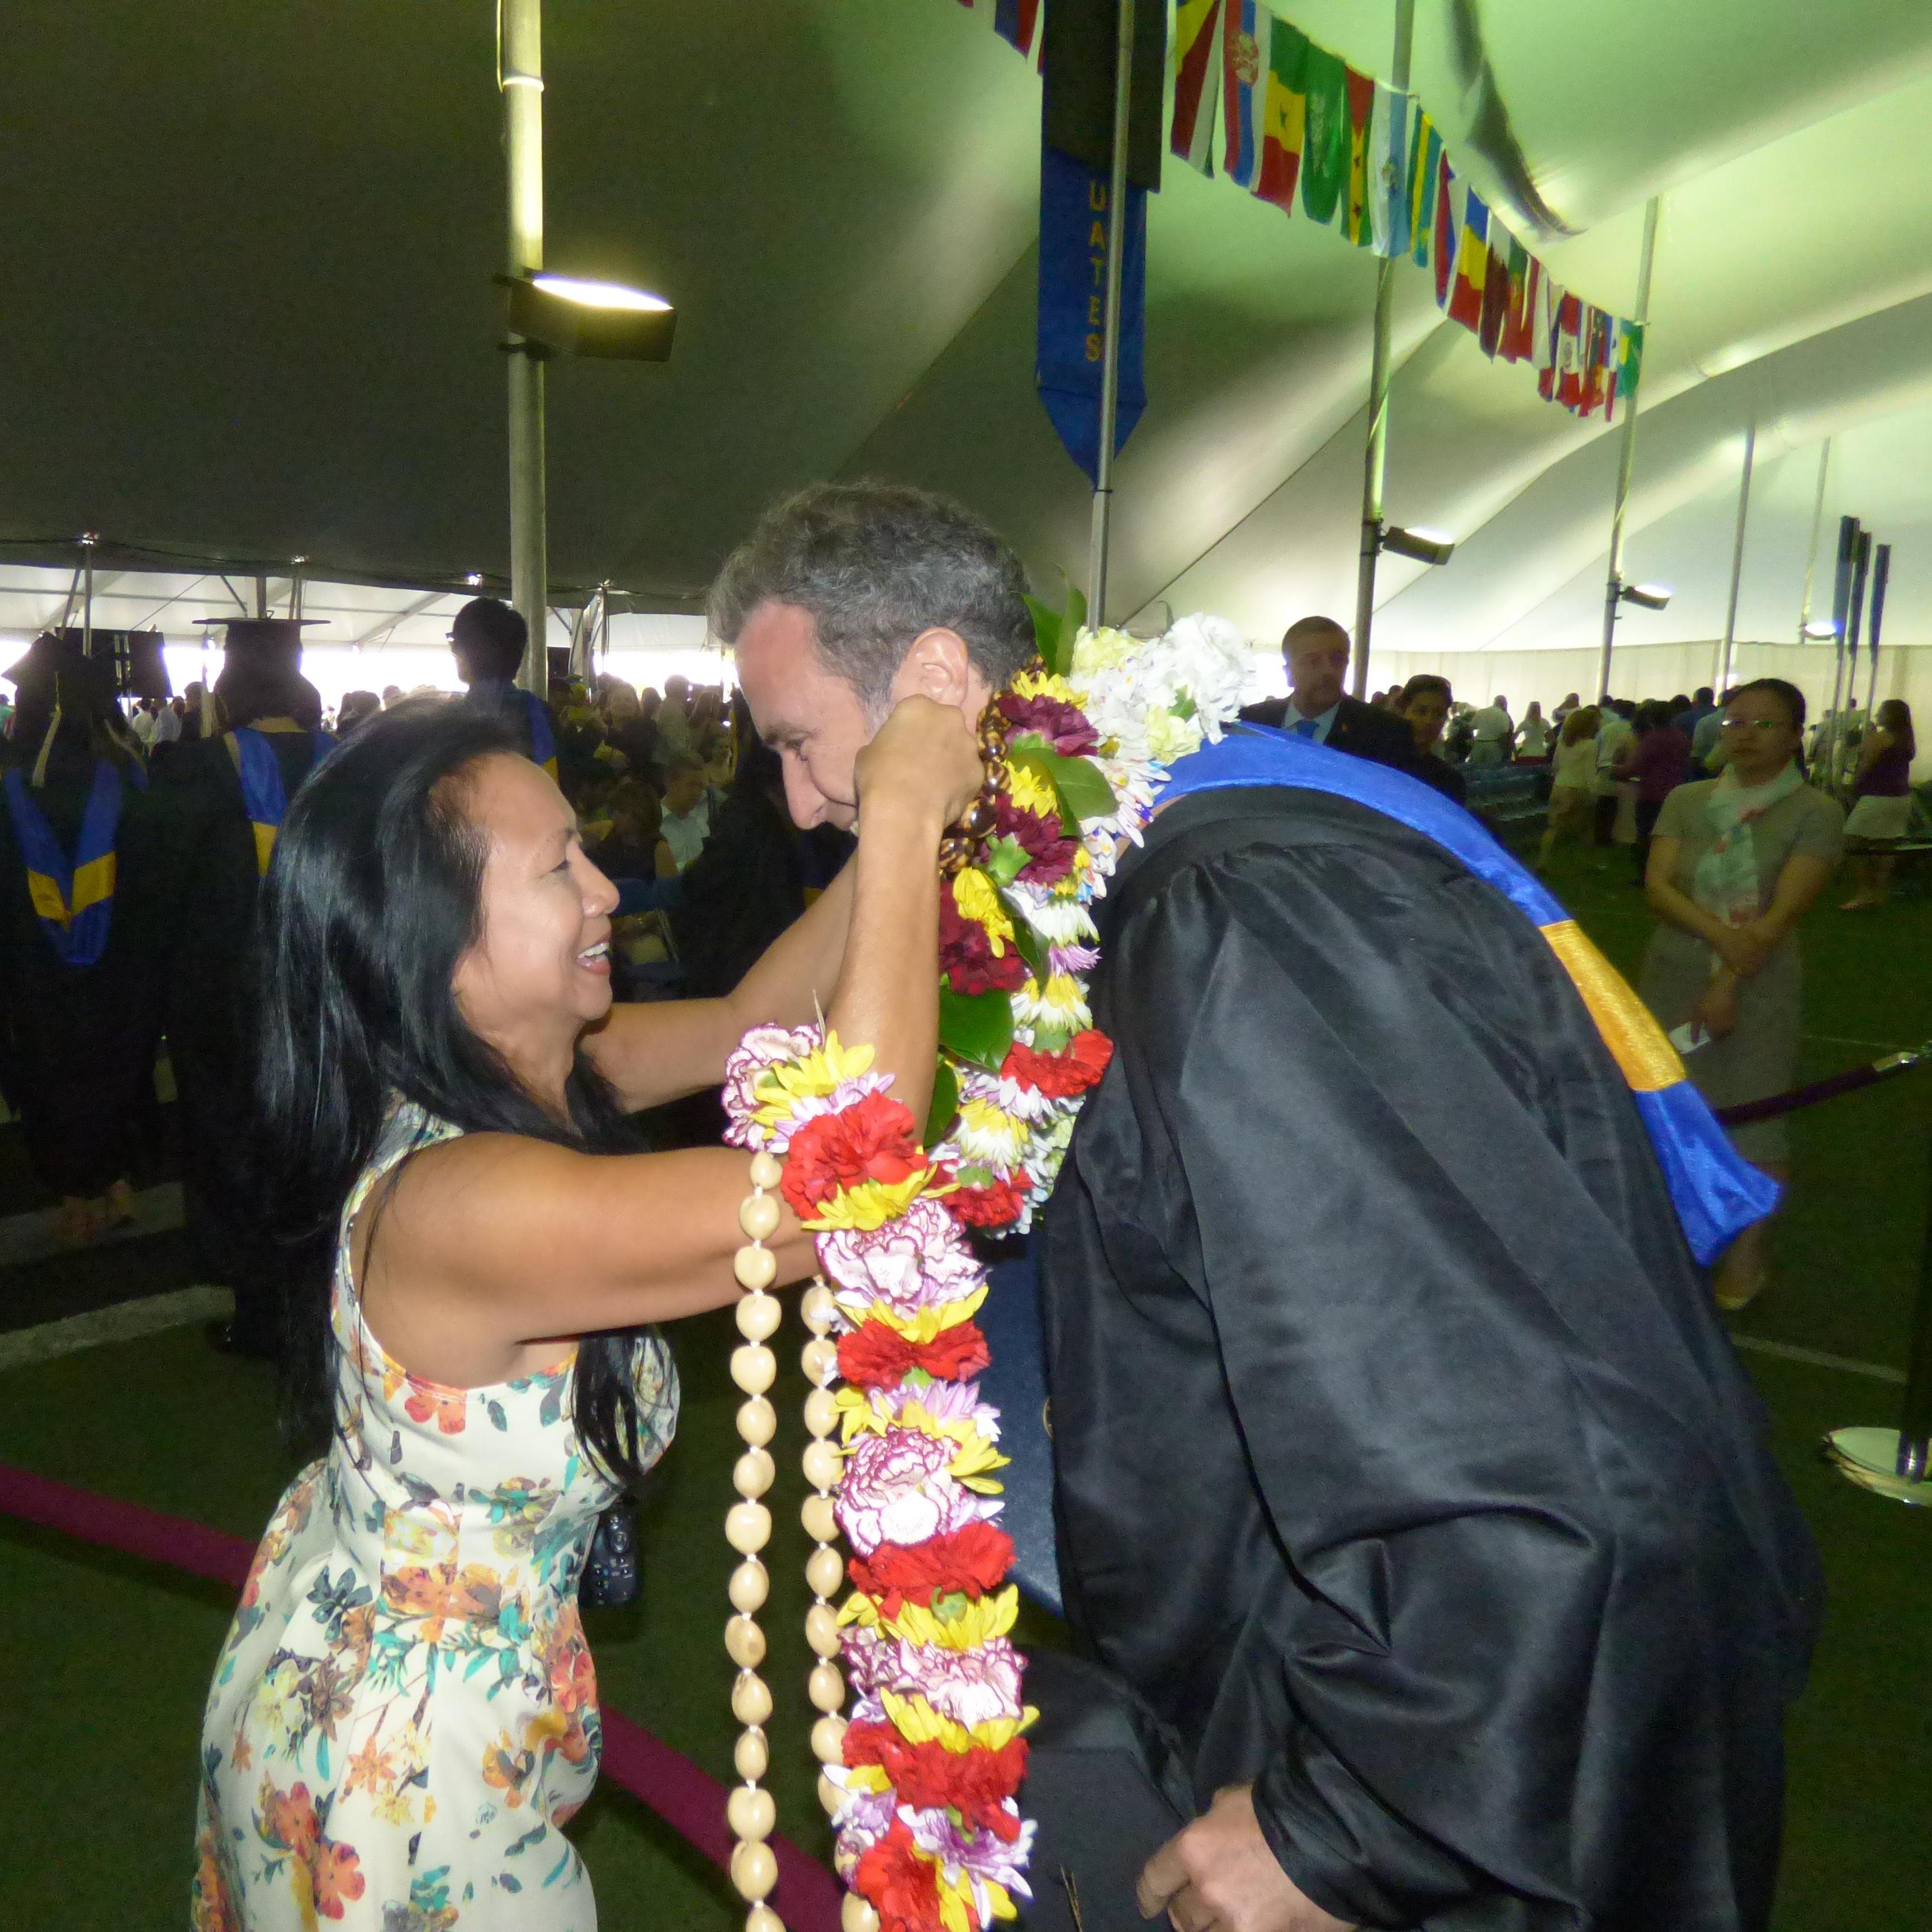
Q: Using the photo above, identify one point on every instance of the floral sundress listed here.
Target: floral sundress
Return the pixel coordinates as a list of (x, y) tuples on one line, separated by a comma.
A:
[(405, 1711)]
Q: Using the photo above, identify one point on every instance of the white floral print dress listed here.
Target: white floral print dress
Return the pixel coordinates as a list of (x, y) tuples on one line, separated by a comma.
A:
[(405, 1711)]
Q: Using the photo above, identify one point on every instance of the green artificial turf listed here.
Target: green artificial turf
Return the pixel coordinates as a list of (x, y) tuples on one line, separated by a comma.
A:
[(104, 1662)]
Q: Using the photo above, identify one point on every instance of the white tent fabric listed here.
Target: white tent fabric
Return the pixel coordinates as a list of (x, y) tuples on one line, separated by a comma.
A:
[(841, 202)]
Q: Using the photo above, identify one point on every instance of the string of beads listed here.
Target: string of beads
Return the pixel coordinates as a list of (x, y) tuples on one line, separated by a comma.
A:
[(750, 1811)]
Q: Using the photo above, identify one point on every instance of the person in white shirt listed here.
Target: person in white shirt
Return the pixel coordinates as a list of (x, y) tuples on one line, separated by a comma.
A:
[(1494, 734), (1533, 739), (687, 810), (1613, 734), (164, 724), (1573, 782)]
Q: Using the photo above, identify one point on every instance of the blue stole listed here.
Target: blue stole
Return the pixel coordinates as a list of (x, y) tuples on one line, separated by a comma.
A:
[(499, 693), (1717, 1193), (74, 900), (263, 794)]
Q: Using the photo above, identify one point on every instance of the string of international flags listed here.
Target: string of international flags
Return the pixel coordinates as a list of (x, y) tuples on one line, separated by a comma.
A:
[(1300, 126)]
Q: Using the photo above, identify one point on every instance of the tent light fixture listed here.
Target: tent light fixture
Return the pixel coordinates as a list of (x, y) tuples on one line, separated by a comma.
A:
[(1820, 629), (1648, 596), (601, 295), (1419, 546), (563, 315)]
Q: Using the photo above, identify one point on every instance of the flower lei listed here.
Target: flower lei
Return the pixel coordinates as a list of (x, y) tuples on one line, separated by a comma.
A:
[(924, 1774)]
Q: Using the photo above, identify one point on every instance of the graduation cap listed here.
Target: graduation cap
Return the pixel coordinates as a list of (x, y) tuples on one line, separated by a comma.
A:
[(261, 670), (54, 661)]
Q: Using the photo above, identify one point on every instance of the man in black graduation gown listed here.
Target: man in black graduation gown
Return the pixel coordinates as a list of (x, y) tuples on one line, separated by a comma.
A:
[(1415, 1515), (212, 870)]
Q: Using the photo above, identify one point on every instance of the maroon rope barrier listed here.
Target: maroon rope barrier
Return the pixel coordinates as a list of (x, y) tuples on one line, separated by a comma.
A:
[(687, 1798), (1850, 1081)]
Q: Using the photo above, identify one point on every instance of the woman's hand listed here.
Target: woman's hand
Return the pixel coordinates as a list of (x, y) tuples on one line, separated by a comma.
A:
[(1744, 948), (1716, 1008), (923, 763)]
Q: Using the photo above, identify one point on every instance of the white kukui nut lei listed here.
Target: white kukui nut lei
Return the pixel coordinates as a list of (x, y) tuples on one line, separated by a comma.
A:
[(920, 1777)]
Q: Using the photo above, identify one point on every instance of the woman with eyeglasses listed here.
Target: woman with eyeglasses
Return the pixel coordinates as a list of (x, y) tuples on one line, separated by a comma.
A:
[(1736, 863)]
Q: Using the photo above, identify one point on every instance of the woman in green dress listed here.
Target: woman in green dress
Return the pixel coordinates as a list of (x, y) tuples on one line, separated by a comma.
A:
[(405, 1714), (1736, 863)]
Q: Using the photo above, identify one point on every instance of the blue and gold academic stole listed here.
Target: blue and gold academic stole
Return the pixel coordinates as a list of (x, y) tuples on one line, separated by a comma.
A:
[(1717, 1193), (73, 899), (264, 796), (543, 740)]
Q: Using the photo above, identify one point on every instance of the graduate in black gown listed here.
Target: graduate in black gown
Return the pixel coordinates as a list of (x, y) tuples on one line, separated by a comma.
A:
[(1408, 1491), (78, 1015), (219, 801), (1415, 1517)]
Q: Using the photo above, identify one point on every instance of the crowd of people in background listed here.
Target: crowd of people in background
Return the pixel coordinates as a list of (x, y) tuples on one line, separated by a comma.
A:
[(679, 803), (137, 831)]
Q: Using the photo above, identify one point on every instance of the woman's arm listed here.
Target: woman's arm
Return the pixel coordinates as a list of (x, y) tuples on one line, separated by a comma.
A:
[(1800, 880), (493, 1242), (1741, 947), (663, 1050), (1876, 742)]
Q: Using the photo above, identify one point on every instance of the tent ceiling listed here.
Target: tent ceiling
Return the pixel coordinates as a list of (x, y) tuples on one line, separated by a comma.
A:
[(250, 251)]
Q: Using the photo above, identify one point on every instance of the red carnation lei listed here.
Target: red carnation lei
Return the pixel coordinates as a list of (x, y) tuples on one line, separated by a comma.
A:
[(874, 1356), (900, 1881), (970, 1561), (875, 1138), (1075, 1068), (975, 1782)]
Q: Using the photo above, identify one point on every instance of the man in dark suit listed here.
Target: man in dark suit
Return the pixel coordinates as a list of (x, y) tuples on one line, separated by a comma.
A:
[(1316, 652)]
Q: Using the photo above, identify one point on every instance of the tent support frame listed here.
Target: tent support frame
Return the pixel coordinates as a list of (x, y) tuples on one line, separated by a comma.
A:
[(1375, 458), (520, 78), (1613, 589)]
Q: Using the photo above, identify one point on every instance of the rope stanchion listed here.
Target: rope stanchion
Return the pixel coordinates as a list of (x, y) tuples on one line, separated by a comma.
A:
[(806, 1897), (1852, 1081), (1898, 1462)]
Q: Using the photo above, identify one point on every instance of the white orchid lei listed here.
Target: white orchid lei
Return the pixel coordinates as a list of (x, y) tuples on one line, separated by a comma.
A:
[(927, 1829)]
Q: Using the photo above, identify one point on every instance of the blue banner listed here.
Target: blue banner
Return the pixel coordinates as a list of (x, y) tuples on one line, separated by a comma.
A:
[(1073, 226)]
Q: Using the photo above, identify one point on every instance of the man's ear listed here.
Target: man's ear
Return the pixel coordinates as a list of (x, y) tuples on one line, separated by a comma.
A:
[(937, 666)]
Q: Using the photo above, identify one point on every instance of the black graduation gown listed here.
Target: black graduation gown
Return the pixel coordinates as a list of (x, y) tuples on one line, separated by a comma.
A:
[(208, 1005), (77, 1042), (740, 893), (1401, 1466)]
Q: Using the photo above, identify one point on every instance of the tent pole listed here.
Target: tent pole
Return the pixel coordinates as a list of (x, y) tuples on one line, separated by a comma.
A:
[(1823, 742), (87, 543), (1374, 458), (1613, 588), (520, 77), (1722, 676), (296, 585), (1811, 555), (1110, 351), (1881, 576), (1845, 687)]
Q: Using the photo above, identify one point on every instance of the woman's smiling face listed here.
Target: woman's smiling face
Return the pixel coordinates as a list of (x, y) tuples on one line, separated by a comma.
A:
[(541, 964)]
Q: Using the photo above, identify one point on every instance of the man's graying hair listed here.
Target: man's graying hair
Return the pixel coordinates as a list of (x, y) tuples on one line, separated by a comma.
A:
[(876, 564)]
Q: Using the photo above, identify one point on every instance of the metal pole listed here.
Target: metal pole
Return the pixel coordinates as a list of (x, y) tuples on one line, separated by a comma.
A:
[(87, 596), (1613, 588), (1846, 691), (296, 585), (1110, 351), (1915, 1421), (1374, 458), (1722, 675), (520, 76), (1881, 576), (1811, 554), (1841, 602)]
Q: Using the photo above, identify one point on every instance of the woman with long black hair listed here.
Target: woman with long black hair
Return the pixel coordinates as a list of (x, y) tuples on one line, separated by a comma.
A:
[(404, 1713)]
